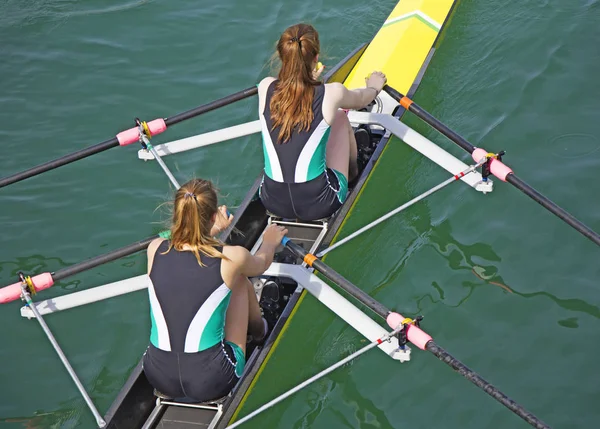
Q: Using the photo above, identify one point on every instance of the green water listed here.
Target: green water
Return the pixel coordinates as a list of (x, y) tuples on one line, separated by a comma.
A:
[(503, 285)]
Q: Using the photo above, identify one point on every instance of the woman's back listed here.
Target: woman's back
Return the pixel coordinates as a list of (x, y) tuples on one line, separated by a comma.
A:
[(202, 304), (302, 157), (188, 301), (310, 148)]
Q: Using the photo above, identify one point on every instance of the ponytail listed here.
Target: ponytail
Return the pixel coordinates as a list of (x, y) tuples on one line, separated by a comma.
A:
[(194, 207), (291, 103)]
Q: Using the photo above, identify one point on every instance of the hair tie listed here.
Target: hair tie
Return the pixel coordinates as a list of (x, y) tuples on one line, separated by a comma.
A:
[(190, 195), (295, 39)]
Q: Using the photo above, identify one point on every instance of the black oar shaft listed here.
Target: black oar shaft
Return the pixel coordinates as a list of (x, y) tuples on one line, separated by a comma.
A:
[(338, 279), (552, 207), (108, 144), (357, 293), (431, 346), (63, 160), (510, 178), (484, 385), (248, 92), (102, 259)]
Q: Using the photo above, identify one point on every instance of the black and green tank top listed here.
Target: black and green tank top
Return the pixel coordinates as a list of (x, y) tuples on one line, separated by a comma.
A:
[(302, 157), (188, 302)]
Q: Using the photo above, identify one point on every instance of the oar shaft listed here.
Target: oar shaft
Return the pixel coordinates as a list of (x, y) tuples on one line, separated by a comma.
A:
[(63, 160), (414, 108), (430, 345), (113, 142), (240, 95), (484, 385), (338, 279), (552, 207), (102, 259)]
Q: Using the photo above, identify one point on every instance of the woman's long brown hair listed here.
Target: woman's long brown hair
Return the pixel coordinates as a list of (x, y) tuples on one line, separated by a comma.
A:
[(291, 104), (194, 207)]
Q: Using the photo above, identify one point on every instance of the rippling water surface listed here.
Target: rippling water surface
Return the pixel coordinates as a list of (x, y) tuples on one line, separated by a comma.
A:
[(504, 286)]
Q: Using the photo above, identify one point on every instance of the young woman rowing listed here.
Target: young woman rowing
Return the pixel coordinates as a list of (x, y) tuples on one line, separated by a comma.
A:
[(201, 301), (309, 146)]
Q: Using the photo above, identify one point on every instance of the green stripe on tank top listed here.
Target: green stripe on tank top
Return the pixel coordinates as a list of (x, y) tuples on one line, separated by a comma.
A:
[(318, 164), (214, 329), (268, 170), (153, 330)]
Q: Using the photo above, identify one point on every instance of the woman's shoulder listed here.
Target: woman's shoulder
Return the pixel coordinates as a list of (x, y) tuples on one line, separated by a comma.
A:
[(266, 82), (152, 248), (263, 86), (335, 89), (154, 245), (236, 254)]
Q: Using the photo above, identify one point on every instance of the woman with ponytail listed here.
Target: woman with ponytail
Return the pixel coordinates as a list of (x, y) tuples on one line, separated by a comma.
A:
[(309, 146), (202, 304)]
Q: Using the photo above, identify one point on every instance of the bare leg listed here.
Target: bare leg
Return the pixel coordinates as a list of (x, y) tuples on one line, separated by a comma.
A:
[(256, 326), (243, 314), (341, 147)]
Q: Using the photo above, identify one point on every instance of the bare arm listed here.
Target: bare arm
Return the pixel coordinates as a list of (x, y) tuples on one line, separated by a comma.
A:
[(344, 98), (337, 96), (248, 265)]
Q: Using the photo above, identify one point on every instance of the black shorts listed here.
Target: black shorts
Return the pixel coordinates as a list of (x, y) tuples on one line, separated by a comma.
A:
[(316, 199), (194, 377)]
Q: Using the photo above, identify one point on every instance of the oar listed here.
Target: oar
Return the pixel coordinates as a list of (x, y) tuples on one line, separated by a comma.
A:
[(496, 166), (414, 334), (45, 280), (127, 137)]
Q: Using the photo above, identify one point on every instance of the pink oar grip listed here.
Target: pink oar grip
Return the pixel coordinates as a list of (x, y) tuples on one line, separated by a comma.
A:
[(414, 334), (497, 168), (13, 292), (132, 135)]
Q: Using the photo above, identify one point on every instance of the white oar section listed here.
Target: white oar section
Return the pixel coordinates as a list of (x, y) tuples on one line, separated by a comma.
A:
[(340, 306), (409, 136), (314, 285), (201, 140)]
